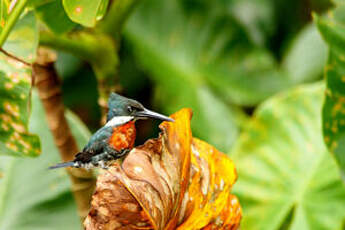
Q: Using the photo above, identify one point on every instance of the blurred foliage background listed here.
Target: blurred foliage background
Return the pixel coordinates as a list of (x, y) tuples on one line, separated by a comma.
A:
[(251, 70), (221, 59)]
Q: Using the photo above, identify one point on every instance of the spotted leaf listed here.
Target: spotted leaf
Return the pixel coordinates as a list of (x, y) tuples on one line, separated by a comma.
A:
[(4, 12), (32, 197), (22, 41), (172, 182), (15, 84), (332, 29), (85, 12)]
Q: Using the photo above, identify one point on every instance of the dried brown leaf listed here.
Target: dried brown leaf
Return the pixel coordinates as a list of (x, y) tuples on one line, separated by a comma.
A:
[(172, 182)]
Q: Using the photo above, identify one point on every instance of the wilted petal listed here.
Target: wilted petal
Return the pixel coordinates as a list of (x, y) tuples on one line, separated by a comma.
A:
[(174, 181)]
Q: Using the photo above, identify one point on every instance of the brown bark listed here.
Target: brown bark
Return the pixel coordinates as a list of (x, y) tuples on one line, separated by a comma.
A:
[(47, 82)]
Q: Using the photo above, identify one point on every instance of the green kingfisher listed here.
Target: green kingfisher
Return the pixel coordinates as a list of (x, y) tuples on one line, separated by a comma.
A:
[(116, 138)]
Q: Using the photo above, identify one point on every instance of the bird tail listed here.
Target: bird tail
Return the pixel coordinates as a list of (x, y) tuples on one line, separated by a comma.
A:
[(63, 165)]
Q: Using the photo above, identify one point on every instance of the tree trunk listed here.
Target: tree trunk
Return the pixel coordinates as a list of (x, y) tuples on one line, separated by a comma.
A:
[(47, 82)]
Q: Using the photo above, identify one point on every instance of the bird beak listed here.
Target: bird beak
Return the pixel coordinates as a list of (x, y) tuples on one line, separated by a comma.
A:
[(150, 114)]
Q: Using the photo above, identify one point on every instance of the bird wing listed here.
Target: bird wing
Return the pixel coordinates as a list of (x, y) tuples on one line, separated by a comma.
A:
[(96, 145)]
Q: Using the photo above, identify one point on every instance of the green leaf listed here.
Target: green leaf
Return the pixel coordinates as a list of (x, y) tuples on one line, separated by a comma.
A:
[(248, 81), (257, 17), (209, 48), (306, 56), (102, 9), (85, 12), (287, 178), (333, 112), (54, 17), (31, 196), (15, 85), (4, 4), (204, 61), (37, 3), (23, 39), (212, 119)]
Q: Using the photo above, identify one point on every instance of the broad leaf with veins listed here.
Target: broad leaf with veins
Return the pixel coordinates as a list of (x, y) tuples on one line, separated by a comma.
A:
[(31, 196), (15, 85), (287, 178), (204, 61)]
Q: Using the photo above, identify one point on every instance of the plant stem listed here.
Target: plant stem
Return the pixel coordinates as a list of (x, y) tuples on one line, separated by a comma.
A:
[(12, 19), (47, 82), (14, 57), (78, 44), (96, 48), (117, 15)]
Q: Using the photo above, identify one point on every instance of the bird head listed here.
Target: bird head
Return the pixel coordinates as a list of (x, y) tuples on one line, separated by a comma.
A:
[(122, 110)]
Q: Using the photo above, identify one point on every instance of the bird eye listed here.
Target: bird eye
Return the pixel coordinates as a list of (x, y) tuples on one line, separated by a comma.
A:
[(130, 109)]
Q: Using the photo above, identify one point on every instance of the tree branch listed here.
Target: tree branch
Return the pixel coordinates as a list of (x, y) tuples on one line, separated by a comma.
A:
[(96, 48), (47, 82), (14, 57), (82, 45)]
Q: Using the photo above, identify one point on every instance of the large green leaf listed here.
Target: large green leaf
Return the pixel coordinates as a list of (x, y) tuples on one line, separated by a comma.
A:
[(15, 84), (31, 196), (22, 41), (257, 17), (202, 61), (287, 178), (85, 12), (306, 56), (333, 31), (212, 119), (207, 48)]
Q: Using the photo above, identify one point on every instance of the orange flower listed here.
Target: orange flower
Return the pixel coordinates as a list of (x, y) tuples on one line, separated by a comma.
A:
[(172, 182)]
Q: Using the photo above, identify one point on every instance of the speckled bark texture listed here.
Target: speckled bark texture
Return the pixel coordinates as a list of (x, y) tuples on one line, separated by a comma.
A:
[(172, 182)]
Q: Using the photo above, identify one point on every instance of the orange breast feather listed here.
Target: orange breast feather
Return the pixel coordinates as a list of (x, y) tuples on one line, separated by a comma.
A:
[(123, 136)]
